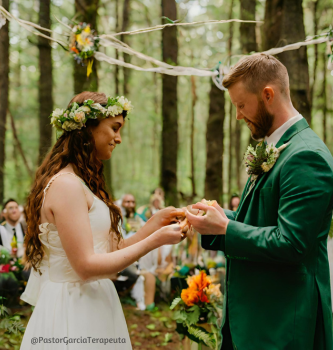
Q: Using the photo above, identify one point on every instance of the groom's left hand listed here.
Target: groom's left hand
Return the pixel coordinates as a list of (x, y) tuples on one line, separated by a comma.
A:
[(215, 221)]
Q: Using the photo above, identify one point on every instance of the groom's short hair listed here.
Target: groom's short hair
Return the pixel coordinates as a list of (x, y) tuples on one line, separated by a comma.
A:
[(256, 71)]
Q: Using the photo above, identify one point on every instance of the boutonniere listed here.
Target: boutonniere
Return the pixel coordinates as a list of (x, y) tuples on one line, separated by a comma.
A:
[(262, 159)]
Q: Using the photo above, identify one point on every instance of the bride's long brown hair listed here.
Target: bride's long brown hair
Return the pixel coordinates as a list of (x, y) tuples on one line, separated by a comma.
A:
[(77, 148)]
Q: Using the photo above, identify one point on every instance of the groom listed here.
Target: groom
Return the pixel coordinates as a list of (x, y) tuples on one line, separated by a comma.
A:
[(278, 282)]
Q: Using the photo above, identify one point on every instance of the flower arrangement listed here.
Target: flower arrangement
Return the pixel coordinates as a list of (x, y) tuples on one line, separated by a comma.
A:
[(262, 159), (198, 311), (83, 45), (76, 116)]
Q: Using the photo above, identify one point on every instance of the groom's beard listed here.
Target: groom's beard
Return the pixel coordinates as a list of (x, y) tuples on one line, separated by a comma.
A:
[(263, 123)]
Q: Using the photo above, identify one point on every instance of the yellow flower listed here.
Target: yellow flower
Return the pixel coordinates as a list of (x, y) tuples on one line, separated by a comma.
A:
[(213, 289), (79, 39), (87, 29)]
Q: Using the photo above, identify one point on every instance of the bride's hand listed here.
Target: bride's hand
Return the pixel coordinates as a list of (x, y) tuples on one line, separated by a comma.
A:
[(167, 216), (171, 234)]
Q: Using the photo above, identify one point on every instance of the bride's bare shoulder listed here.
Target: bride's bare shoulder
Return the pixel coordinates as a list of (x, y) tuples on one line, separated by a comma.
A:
[(64, 184)]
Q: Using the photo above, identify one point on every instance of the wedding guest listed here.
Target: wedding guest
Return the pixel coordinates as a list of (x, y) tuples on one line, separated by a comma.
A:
[(234, 202), (156, 203), (132, 221), (11, 230)]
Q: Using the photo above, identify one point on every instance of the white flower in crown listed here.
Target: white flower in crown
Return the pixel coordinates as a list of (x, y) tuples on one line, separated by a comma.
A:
[(57, 112), (114, 111), (99, 107)]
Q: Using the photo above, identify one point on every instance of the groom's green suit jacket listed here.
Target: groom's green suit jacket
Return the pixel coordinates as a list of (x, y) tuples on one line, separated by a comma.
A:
[(278, 282)]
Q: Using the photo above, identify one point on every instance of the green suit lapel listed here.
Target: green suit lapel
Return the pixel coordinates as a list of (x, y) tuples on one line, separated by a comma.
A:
[(292, 131), (288, 135)]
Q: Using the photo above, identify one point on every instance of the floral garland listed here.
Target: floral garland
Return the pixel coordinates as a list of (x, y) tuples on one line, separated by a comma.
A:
[(76, 116), (262, 159), (83, 45)]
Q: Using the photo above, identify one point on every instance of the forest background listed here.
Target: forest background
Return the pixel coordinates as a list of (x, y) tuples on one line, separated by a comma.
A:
[(183, 133)]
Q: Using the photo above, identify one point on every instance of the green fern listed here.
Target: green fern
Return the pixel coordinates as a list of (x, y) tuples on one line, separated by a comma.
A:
[(202, 336), (175, 303)]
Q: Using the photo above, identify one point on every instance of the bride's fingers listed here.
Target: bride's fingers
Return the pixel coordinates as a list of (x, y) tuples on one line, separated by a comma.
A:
[(201, 206)]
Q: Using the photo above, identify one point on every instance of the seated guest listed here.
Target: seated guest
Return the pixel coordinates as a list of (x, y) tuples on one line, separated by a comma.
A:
[(132, 221), (11, 230), (156, 203), (234, 202)]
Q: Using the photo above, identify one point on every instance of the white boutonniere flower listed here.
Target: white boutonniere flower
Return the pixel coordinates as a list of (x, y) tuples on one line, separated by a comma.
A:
[(262, 159)]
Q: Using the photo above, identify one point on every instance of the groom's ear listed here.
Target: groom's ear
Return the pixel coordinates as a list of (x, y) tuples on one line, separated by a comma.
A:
[(268, 95)]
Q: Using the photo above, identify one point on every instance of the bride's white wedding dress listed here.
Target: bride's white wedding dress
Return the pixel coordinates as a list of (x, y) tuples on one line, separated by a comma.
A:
[(85, 314)]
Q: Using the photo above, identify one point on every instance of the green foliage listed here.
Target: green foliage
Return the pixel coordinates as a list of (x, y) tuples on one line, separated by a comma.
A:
[(203, 336), (151, 326), (175, 302), (193, 315), (167, 339)]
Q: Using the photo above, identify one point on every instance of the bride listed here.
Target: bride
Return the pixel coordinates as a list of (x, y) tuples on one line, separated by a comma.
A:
[(73, 243)]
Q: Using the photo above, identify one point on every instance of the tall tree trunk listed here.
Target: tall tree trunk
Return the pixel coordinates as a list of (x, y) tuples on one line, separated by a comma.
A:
[(86, 11), (169, 108), (124, 38), (45, 82), (314, 76), (284, 25), (324, 95), (194, 100), (248, 44), (214, 145), (230, 165), (248, 30), (116, 67), (4, 92)]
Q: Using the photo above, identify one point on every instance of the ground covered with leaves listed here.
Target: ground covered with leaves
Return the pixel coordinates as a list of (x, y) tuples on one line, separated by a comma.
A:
[(147, 329)]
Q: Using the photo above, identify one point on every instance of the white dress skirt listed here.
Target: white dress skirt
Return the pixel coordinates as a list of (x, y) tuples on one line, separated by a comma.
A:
[(70, 313)]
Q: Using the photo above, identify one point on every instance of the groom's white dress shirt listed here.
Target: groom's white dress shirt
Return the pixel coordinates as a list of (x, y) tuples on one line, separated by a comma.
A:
[(278, 133)]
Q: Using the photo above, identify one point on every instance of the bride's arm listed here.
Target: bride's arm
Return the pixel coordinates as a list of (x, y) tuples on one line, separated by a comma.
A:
[(68, 204), (162, 218)]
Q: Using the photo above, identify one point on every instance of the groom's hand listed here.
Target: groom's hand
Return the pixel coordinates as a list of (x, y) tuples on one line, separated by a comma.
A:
[(215, 221)]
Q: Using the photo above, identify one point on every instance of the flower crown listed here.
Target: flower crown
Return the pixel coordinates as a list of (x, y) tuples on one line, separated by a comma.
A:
[(75, 117)]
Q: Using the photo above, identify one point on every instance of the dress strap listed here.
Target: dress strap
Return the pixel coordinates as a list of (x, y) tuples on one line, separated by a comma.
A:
[(50, 182)]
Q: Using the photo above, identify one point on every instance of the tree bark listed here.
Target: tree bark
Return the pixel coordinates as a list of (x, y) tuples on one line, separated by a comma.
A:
[(116, 67), (124, 38), (4, 93), (315, 65), (86, 11), (45, 82), (169, 108), (248, 30), (214, 145), (284, 25), (248, 44), (194, 100), (230, 165)]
